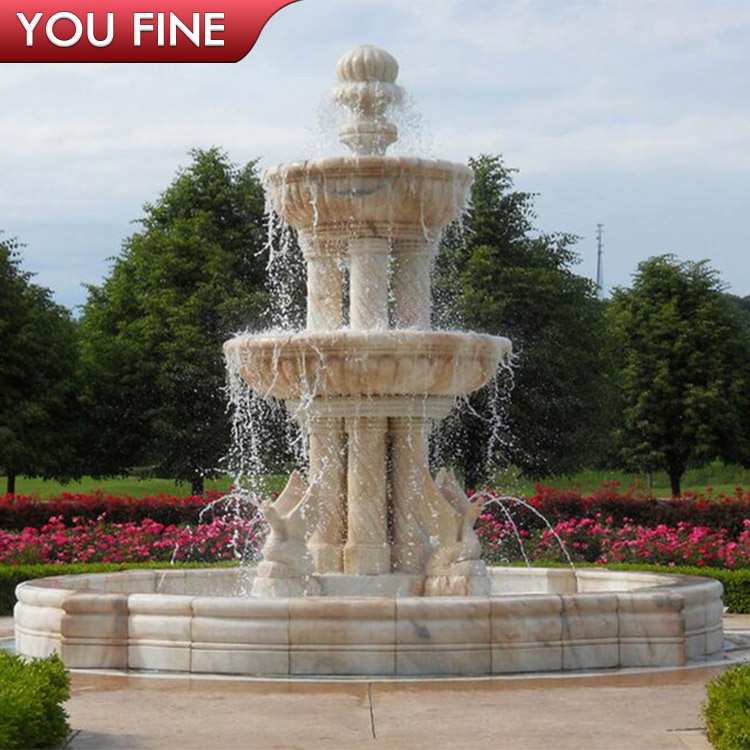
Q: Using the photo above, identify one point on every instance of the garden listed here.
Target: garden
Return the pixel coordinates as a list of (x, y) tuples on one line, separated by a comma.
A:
[(707, 533)]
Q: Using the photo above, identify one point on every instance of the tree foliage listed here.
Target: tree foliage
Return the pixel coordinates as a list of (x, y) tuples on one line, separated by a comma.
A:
[(495, 274), (193, 275), (38, 363), (684, 369)]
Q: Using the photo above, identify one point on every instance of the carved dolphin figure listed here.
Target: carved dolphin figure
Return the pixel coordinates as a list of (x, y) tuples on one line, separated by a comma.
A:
[(457, 551), (292, 520)]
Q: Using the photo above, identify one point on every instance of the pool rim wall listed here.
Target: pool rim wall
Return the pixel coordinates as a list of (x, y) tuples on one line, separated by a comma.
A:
[(535, 620)]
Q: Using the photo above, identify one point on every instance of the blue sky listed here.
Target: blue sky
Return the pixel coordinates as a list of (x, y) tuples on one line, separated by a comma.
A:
[(631, 113)]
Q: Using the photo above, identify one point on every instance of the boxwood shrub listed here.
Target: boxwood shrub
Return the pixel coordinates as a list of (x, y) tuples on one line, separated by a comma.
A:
[(727, 710), (31, 697)]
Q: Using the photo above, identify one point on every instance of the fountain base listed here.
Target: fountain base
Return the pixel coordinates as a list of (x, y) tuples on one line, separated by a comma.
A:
[(533, 620)]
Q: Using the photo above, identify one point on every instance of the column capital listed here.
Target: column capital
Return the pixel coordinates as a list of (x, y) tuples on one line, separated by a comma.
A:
[(366, 423), (421, 246), (369, 246), (408, 424), (314, 247)]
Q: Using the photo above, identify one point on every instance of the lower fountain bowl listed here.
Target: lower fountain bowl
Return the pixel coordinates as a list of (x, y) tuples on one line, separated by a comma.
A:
[(534, 620), (367, 363)]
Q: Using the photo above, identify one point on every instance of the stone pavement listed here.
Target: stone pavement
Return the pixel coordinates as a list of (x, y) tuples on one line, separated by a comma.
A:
[(618, 712)]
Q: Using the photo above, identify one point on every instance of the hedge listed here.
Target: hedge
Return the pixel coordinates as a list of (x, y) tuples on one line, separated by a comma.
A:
[(12, 575), (25, 511), (727, 710), (736, 582), (31, 697), (555, 505), (721, 512)]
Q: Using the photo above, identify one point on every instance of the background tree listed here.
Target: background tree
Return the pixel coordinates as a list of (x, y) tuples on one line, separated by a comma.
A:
[(684, 369), (38, 367), (152, 333), (495, 274)]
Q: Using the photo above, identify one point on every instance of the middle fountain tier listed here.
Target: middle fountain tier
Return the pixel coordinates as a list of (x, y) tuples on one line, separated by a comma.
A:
[(367, 393)]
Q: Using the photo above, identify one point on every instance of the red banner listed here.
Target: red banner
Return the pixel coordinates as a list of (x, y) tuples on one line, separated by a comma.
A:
[(132, 30)]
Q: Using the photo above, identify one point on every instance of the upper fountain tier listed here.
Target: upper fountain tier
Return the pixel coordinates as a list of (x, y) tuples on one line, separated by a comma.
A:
[(368, 195)]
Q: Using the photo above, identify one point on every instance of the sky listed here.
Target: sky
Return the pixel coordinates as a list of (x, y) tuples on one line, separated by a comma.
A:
[(629, 113)]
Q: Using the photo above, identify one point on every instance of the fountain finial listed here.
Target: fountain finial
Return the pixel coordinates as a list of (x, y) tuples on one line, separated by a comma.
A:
[(367, 86)]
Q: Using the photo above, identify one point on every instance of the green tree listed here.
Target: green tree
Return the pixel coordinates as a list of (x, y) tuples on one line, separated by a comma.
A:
[(497, 275), (38, 364), (742, 305), (684, 369), (193, 275)]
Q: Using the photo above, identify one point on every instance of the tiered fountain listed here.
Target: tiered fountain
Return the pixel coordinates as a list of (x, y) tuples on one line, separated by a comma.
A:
[(369, 391), (371, 566)]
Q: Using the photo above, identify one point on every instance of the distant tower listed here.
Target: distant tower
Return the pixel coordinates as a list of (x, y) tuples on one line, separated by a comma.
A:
[(599, 260)]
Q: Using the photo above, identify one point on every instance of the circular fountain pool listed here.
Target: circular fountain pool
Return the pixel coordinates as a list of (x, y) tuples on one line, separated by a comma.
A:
[(534, 620)]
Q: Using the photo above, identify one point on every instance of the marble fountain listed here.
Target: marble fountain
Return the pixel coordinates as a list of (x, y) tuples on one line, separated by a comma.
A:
[(371, 566)]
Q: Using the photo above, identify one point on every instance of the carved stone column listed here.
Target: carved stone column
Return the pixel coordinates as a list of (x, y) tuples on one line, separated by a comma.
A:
[(409, 456), (367, 551), (324, 286), (327, 481), (368, 259), (412, 284)]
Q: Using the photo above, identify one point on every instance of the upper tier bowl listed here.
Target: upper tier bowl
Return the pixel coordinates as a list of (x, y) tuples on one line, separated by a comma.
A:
[(367, 363), (343, 197)]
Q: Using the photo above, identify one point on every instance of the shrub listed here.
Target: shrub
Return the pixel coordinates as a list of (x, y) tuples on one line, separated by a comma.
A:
[(24, 511), (31, 694), (727, 710)]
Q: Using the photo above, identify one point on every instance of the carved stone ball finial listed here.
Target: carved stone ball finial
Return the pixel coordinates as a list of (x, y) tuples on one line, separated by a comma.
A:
[(367, 87), (367, 63)]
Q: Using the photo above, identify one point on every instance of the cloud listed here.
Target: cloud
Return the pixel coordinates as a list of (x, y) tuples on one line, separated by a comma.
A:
[(574, 94)]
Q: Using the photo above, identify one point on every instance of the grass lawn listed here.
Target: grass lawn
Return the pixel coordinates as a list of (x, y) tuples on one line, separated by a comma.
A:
[(717, 476), (721, 478), (135, 486)]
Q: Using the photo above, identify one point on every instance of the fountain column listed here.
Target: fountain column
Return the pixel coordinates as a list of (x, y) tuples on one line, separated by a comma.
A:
[(327, 480), (367, 551), (412, 284), (368, 283), (409, 456), (324, 286)]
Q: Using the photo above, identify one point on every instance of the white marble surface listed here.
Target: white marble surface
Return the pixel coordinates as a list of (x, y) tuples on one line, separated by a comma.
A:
[(646, 621)]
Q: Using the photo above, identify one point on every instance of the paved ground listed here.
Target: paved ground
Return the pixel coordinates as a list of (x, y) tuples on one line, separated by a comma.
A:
[(613, 712), (635, 712)]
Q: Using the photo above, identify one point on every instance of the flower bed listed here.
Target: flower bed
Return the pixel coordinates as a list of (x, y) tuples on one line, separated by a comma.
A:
[(705, 509), (25, 511), (714, 510), (602, 540), (83, 541)]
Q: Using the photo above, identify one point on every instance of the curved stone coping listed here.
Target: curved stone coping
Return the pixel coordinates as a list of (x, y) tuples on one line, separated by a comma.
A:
[(537, 620), (367, 363), (392, 197)]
